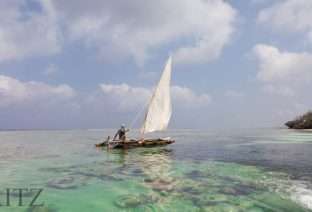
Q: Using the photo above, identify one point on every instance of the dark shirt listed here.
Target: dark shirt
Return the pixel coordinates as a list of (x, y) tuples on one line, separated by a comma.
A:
[(121, 133)]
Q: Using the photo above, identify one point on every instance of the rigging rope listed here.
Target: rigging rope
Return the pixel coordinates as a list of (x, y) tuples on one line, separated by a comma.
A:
[(140, 112)]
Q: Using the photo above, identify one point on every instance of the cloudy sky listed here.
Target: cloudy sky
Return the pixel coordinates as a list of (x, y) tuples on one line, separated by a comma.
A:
[(92, 64)]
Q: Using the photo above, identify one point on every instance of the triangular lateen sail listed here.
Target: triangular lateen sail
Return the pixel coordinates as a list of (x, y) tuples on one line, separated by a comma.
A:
[(159, 109)]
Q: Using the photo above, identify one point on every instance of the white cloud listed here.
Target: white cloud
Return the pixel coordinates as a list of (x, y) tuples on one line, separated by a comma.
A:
[(36, 104), (127, 98), (124, 96), (27, 33), (15, 92), (260, 2), (282, 66), (279, 90), (186, 97), (289, 16), (283, 73), (234, 94), (199, 29)]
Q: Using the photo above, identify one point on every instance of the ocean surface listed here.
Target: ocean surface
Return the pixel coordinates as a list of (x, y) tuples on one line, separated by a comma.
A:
[(224, 170)]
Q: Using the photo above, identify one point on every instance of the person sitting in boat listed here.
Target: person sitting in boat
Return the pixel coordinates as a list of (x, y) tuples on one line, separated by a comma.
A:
[(121, 133)]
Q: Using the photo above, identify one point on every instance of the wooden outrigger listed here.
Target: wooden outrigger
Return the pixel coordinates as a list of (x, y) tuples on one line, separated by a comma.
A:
[(132, 143)]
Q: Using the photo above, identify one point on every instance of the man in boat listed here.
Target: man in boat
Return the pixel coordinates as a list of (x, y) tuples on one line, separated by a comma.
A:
[(121, 133)]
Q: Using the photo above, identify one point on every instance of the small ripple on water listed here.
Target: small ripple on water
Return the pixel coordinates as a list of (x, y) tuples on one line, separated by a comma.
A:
[(42, 209)]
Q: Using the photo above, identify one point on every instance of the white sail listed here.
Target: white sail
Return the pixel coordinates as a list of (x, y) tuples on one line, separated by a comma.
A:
[(159, 109)]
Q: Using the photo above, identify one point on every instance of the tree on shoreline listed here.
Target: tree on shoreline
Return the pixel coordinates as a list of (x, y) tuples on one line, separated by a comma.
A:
[(301, 122)]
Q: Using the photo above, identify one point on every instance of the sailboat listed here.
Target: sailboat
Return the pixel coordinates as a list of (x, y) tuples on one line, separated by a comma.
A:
[(157, 115)]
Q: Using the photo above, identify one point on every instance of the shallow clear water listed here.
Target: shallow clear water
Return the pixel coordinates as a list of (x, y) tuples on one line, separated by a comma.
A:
[(229, 170)]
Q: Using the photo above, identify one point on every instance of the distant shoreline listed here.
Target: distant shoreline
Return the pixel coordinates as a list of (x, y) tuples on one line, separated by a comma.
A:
[(303, 122), (179, 129)]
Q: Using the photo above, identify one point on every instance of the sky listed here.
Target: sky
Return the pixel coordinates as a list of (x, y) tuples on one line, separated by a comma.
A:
[(92, 64)]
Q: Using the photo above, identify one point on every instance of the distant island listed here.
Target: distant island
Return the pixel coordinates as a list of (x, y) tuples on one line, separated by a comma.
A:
[(301, 122)]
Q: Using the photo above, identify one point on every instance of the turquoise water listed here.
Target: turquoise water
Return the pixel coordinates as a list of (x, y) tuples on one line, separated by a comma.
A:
[(244, 170)]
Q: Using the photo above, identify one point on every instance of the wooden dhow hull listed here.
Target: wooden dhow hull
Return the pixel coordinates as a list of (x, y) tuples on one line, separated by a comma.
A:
[(132, 143)]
